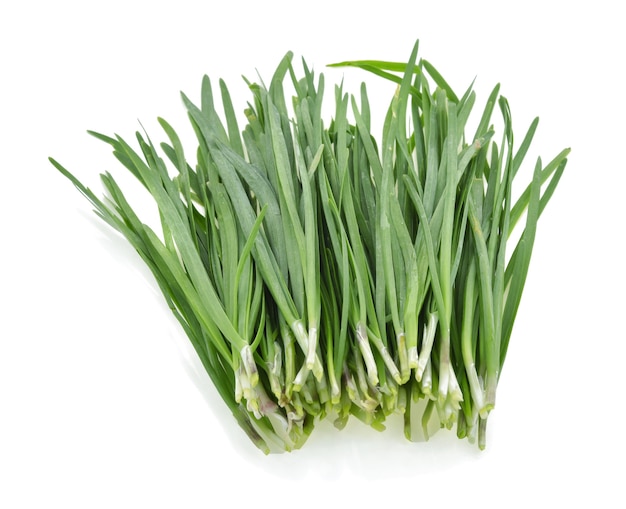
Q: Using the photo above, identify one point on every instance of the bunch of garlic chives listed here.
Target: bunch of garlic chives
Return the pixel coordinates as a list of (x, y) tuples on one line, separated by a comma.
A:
[(318, 273)]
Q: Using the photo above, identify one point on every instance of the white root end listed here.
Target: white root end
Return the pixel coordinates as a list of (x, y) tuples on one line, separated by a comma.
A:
[(351, 387), (454, 390), (275, 369), (335, 392), (472, 428), (491, 383), (426, 381), (413, 357), (313, 359), (366, 352), (427, 345), (391, 366), (309, 347), (444, 380), (400, 406), (301, 336), (249, 365), (245, 391), (403, 357), (476, 389), (301, 377), (312, 347)]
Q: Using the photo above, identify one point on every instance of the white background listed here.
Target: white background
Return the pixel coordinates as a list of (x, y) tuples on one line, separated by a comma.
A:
[(102, 403)]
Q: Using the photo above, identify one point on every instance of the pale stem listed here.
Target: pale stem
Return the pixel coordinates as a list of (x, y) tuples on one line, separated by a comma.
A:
[(351, 387), (366, 353), (482, 433), (246, 392), (335, 392), (476, 389), (275, 371), (303, 340), (444, 366), (401, 406), (472, 427), (368, 403), (249, 365), (413, 357), (301, 377), (427, 345), (313, 359), (322, 390), (426, 382), (311, 352), (403, 357), (454, 390), (491, 383)]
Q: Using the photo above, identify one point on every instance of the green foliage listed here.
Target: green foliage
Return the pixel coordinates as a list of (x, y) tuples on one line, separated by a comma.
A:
[(321, 272)]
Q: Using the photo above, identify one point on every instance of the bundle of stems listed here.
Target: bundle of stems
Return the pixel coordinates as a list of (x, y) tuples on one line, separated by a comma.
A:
[(320, 273)]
